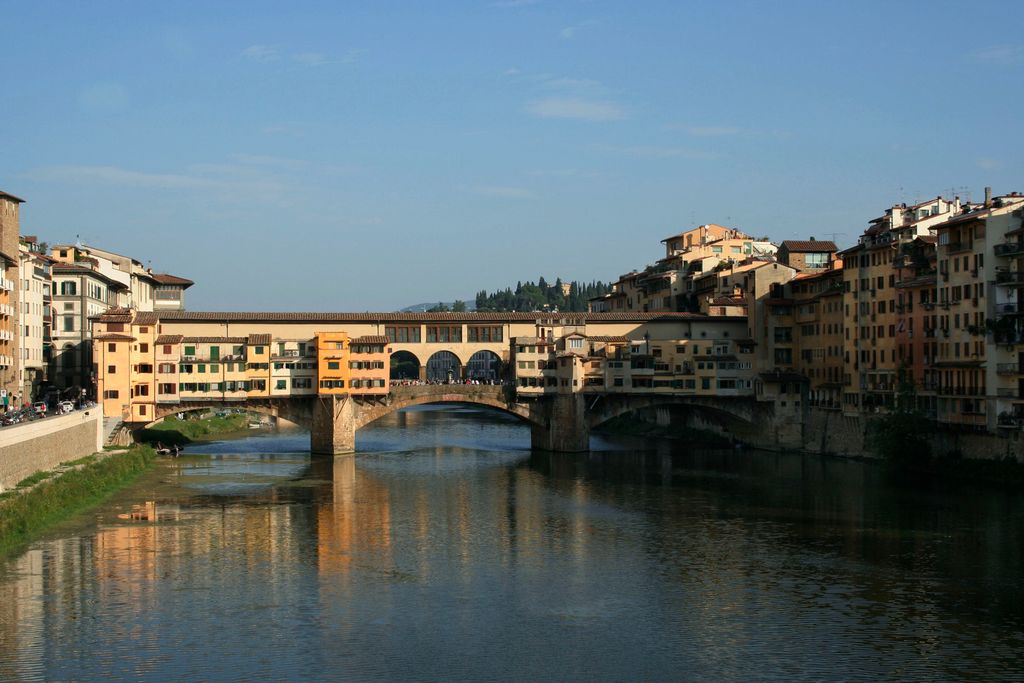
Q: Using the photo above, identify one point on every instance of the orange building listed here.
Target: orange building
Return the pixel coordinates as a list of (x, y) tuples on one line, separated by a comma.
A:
[(332, 355)]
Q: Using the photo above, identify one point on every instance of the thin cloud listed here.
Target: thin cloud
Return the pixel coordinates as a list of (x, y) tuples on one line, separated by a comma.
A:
[(265, 54), (569, 32), (262, 53), (712, 131), (988, 164), (502, 191), (1003, 55), (310, 58), (658, 152), (576, 108)]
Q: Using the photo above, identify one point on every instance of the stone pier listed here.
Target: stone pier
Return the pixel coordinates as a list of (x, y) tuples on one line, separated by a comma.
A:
[(334, 426), (564, 428)]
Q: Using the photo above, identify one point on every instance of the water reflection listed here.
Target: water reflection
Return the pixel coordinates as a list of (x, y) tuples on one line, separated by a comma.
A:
[(446, 549)]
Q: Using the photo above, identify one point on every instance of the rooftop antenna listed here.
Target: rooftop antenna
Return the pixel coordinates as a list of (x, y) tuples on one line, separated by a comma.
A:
[(78, 241)]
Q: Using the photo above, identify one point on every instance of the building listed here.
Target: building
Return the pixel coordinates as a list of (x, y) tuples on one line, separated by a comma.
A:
[(10, 326), (870, 318), (34, 284), (86, 282), (981, 351), (807, 255)]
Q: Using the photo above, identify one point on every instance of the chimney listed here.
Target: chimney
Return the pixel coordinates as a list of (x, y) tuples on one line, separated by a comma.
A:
[(988, 197), (812, 238)]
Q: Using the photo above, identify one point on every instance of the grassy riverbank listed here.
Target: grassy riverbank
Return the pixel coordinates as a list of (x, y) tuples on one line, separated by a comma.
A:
[(630, 426), (54, 497), (174, 431)]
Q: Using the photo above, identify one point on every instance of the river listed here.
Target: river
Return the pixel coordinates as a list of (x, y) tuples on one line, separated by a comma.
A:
[(446, 550)]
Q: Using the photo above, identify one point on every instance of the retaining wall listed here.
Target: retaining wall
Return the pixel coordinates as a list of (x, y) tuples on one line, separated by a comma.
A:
[(42, 445)]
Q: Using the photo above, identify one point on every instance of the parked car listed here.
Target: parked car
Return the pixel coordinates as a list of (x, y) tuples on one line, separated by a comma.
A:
[(40, 408), (65, 407)]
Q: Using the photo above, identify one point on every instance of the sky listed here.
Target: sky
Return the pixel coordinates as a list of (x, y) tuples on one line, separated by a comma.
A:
[(343, 156)]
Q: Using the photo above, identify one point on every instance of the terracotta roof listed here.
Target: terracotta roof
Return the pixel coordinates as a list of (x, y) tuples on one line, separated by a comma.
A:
[(372, 339), (606, 339), (812, 246), (168, 279), (115, 335), (219, 340), (11, 197), (310, 317), (115, 315), (147, 318), (169, 339), (259, 339)]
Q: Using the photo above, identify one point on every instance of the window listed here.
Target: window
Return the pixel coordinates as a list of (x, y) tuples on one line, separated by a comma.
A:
[(333, 365), (214, 353), (202, 367), (167, 349), (190, 350), (488, 333), (69, 323), (281, 384), (444, 333), (576, 343), (258, 350), (111, 369), (143, 348), (111, 347)]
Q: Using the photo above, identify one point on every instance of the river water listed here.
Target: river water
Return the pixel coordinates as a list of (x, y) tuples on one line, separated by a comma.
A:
[(446, 550)]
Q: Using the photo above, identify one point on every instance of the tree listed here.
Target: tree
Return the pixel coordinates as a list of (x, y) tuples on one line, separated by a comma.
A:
[(439, 308), (901, 436), (459, 306)]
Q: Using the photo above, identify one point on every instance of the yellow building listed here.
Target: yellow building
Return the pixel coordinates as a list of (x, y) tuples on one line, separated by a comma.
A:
[(369, 367)]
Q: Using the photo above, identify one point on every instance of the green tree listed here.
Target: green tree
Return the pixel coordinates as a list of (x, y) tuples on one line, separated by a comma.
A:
[(902, 436), (459, 306)]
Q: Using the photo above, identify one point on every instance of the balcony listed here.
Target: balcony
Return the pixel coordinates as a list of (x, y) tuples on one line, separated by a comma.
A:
[(1012, 393), (1009, 249), (1009, 369), (1010, 308), (1008, 277)]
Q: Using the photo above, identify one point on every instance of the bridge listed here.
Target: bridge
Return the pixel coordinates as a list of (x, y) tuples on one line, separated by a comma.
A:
[(558, 422)]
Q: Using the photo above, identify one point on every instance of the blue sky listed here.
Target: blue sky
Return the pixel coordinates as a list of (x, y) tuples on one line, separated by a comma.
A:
[(343, 156)]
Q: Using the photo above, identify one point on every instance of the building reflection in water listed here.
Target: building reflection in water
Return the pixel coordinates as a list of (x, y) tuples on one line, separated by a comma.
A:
[(726, 557)]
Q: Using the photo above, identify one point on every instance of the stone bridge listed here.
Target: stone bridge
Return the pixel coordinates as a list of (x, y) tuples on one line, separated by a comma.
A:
[(558, 422)]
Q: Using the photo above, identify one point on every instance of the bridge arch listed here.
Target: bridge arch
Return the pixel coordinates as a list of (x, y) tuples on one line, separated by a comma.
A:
[(742, 416), (294, 409), (405, 365), (444, 366), (485, 366), (481, 395)]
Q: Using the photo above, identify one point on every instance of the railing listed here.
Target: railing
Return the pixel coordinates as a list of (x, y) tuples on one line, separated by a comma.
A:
[(1006, 277), (1008, 392), (1009, 249), (1007, 308), (1009, 369)]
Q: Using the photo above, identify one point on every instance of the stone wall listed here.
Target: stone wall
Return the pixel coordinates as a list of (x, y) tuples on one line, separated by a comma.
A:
[(44, 444), (831, 432)]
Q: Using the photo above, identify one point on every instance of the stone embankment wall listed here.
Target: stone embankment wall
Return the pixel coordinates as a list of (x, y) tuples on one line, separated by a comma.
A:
[(829, 432), (41, 445)]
